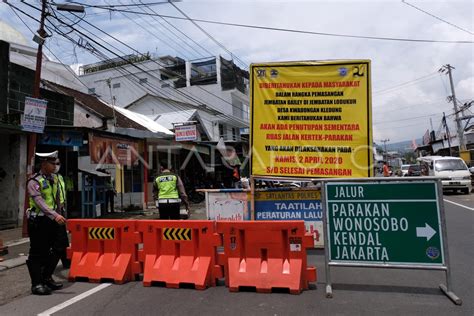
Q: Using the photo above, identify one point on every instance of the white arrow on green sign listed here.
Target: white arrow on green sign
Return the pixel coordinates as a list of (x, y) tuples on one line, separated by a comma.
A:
[(426, 231)]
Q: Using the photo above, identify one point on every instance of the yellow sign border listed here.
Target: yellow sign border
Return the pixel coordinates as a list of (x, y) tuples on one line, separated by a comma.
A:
[(368, 109)]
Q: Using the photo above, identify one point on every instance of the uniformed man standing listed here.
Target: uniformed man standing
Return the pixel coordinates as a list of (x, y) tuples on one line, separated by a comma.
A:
[(42, 218), (168, 191), (61, 242)]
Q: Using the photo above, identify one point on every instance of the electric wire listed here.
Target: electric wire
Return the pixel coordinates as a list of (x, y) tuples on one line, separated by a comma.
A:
[(184, 34), (293, 30), (126, 73), (245, 64), (406, 119), (168, 28), (177, 90), (211, 54), (159, 64), (125, 5), (379, 109), (184, 50), (98, 54), (401, 85), (438, 18)]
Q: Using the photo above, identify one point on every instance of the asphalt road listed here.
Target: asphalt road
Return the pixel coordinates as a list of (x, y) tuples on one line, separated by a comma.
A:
[(356, 290)]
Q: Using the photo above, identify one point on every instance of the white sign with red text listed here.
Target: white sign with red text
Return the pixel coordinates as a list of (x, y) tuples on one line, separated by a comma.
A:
[(186, 133), (34, 115)]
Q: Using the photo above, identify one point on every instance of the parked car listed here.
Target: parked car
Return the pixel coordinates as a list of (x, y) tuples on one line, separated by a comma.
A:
[(453, 172), (404, 170), (414, 171), (472, 175)]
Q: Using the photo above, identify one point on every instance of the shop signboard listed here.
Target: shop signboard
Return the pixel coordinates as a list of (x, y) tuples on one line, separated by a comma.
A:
[(108, 150), (62, 138), (34, 116), (186, 133)]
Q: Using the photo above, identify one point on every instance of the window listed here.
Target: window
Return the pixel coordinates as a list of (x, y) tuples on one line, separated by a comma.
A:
[(116, 85), (221, 131), (245, 111), (450, 165), (237, 109), (235, 133), (204, 72), (91, 90), (143, 80)]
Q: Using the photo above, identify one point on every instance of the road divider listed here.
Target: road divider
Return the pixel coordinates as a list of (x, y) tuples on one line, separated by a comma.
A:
[(104, 250), (264, 255), (179, 252)]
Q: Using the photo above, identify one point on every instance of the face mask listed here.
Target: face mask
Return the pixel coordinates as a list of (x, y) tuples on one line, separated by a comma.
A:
[(56, 168)]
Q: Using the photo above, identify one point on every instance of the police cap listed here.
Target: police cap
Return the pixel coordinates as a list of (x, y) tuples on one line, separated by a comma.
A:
[(48, 156)]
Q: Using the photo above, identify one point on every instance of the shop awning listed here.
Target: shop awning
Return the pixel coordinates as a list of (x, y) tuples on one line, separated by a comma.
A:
[(95, 172)]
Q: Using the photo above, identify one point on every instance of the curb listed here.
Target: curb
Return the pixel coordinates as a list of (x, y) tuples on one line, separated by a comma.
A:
[(12, 263), (17, 242)]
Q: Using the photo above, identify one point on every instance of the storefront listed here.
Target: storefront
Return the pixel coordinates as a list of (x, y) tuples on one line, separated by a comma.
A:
[(13, 144), (88, 153)]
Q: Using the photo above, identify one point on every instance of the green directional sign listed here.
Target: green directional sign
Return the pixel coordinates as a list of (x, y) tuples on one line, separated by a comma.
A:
[(384, 223)]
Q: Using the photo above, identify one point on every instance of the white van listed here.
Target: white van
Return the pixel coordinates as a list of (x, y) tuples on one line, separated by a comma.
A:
[(453, 172)]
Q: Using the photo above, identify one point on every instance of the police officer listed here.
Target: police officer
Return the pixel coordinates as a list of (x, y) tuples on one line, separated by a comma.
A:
[(110, 192), (43, 217), (167, 191), (61, 242)]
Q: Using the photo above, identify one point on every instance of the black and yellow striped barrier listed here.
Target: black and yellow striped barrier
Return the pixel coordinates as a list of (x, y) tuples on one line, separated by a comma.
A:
[(107, 233), (177, 234)]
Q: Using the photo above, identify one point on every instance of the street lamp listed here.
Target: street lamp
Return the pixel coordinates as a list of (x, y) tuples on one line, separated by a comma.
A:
[(70, 7)]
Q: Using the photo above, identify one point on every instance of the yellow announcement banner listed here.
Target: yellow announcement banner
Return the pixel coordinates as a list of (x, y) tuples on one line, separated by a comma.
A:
[(311, 119)]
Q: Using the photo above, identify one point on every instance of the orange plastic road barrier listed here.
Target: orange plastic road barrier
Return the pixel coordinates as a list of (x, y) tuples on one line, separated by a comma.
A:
[(266, 255), (179, 252), (104, 250)]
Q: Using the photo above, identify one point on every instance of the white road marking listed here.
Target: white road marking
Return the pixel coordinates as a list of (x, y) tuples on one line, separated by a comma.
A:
[(461, 205), (73, 300)]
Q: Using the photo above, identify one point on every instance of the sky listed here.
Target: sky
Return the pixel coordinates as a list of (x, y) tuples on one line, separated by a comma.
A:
[(409, 95)]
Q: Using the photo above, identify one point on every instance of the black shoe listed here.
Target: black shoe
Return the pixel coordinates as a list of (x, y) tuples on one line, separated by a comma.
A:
[(40, 289), (52, 284)]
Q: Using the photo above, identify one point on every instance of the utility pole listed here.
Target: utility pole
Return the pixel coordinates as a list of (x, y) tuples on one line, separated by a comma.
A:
[(447, 68), (112, 102), (40, 38), (447, 133), (384, 141)]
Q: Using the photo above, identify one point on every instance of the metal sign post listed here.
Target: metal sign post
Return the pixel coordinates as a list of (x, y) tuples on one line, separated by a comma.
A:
[(388, 223)]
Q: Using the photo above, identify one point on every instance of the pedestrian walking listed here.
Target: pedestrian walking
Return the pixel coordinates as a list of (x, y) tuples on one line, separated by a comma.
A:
[(386, 170), (43, 216), (168, 191), (110, 193)]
